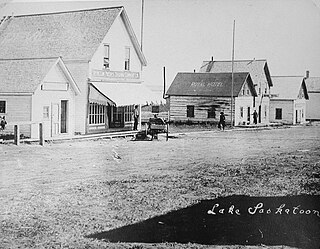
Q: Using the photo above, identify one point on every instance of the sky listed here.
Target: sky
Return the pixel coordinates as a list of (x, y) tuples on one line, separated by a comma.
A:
[(180, 34)]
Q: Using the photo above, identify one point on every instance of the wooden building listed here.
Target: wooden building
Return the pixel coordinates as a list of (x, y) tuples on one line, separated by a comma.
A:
[(30, 88), (200, 97), (313, 103), (100, 51), (288, 100), (259, 72)]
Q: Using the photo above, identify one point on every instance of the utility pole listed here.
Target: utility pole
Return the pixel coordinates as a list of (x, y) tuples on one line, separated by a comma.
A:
[(141, 28), (164, 82), (232, 69)]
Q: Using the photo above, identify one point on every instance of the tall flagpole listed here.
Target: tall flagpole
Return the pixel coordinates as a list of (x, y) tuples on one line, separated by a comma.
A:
[(141, 28), (232, 76), (142, 13)]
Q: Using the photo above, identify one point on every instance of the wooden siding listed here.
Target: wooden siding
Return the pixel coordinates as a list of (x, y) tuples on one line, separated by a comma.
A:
[(313, 106), (178, 108), (287, 107), (18, 109)]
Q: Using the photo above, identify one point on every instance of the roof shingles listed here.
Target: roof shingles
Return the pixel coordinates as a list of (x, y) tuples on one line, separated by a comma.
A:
[(56, 34), (23, 76), (256, 68), (208, 84)]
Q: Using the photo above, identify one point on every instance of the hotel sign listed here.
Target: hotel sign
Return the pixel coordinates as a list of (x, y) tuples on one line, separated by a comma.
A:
[(115, 74)]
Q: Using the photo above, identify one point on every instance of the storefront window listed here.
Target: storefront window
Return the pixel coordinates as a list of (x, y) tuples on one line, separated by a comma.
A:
[(97, 113)]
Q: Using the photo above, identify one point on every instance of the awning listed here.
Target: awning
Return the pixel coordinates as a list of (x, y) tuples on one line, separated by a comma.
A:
[(127, 93)]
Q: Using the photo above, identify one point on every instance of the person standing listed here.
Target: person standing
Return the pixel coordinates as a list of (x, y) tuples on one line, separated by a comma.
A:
[(3, 123), (255, 117), (222, 121), (135, 117)]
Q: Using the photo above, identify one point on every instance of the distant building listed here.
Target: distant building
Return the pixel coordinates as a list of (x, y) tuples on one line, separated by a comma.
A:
[(259, 72), (99, 56), (200, 97), (313, 103), (288, 100)]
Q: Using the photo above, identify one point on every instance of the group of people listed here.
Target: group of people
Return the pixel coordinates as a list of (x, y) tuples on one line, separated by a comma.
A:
[(221, 124), (222, 120)]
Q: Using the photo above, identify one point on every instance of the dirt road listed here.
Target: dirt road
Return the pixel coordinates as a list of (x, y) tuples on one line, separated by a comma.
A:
[(52, 196)]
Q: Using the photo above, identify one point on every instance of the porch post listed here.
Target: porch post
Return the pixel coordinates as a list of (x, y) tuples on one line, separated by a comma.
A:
[(41, 138), (16, 135)]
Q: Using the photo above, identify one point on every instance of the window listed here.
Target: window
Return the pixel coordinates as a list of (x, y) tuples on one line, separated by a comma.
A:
[(97, 113), (265, 111), (155, 109), (46, 112), (212, 112), (190, 111), (278, 113), (241, 112), (2, 106), (106, 58), (128, 113), (248, 117), (127, 59)]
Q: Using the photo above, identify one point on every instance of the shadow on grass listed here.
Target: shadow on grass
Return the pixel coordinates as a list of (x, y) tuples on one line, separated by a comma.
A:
[(235, 220)]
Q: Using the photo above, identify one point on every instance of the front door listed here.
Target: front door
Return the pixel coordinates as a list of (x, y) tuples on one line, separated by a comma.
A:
[(55, 120), (248, 117), (64, 116), (259, 114)]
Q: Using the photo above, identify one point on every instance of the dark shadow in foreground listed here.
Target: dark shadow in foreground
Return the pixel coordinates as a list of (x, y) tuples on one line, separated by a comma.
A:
[(241, 220)]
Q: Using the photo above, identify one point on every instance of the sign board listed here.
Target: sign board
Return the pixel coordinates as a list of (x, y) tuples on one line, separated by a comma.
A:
[(115, 74)]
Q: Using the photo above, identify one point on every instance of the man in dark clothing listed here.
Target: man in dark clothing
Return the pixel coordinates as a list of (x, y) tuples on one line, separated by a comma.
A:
[(3, 123), (222, 121), (255, 117), (135, 117)]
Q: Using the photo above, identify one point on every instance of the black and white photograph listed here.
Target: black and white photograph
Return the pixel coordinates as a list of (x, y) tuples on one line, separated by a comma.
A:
[(160, 124)]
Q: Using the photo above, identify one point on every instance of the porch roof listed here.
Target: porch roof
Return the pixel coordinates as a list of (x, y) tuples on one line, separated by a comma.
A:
[(126, 93)]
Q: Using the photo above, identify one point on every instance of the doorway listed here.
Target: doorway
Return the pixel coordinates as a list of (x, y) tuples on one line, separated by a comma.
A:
[(54, 119), (64, 116)]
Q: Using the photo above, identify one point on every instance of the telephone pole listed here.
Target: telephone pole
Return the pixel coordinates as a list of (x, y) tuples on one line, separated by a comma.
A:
[(232, 69)]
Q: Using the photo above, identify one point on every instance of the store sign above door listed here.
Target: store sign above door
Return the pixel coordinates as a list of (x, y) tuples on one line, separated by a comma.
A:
[(115, 74)]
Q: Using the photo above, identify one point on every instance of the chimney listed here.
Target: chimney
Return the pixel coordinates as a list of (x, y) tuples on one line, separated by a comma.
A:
[(211, 58), (307, 74), (194, 70)]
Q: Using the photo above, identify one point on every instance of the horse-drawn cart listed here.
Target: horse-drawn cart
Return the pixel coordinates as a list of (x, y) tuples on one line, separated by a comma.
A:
[(155, 126)]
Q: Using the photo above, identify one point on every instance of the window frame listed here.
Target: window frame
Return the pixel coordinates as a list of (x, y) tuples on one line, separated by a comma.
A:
[(46, 112), (106, 56), (190, 111), (127, 58), (4, 107), (212, 112), (278, 113), (97, 114), (241, 111)]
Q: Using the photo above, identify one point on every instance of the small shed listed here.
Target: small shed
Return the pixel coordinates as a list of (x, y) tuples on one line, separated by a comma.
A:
[(38, 90), (288, 100), (200, 97)]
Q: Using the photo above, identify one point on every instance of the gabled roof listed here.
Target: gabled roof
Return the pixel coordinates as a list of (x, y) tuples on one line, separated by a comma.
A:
[(70, 35), (288, 87), (313, 84), (209, 84), (258, 69), (25, 75)]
